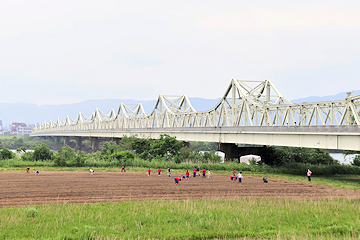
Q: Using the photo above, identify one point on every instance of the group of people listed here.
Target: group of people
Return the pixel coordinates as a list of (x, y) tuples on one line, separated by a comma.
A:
[(235, 177), (36, 172), (196, 171)]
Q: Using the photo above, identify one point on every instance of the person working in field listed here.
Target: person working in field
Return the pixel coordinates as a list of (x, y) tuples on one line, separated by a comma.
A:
[(91, 171), (265, 180), (27, 169), (209, 174), (239, 176), (234, 172), (177, 180), (204, 172), (309, 174), (194, 171), (187, 174), (168, 172), (149, 171), (182, 176), (37, 172), (159, 172), (123, 169), (198, 171)]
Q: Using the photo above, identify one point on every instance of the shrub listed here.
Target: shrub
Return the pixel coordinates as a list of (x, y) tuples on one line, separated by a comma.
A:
[(28, 156), (122, 158), (42, 152), (64, 156), (6, 154), (79, 159), (356, 161), (109, 148)]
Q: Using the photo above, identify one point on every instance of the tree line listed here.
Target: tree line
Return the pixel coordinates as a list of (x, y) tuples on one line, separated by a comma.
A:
[(167, 149)]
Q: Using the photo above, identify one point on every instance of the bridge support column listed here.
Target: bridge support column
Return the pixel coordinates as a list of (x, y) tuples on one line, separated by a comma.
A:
[(94, 144), (66, 141), (230, 150), (78, 142), (58, 144), (186, 144), (233, 152)]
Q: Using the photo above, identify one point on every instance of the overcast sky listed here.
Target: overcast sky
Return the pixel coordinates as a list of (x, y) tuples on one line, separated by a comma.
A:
[(54, 52)]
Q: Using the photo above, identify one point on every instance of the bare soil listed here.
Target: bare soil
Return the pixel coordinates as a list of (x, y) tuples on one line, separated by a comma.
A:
[(18, 189)]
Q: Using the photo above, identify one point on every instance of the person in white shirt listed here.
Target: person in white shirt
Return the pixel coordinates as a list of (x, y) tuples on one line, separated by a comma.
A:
[(91, 171), (240, 176)]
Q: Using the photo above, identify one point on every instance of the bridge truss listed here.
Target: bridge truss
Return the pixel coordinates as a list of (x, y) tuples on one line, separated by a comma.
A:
[(245, 103)]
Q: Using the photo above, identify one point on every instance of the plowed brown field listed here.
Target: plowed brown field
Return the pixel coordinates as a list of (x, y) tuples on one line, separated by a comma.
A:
[(18, 189)]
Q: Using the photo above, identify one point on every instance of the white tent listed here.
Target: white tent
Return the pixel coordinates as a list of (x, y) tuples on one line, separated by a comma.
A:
[(246, 158)]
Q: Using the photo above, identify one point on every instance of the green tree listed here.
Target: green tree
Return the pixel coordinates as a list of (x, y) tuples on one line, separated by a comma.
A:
[(211, 156), (141, 147), (122, 155), (279, 156), (28, 156), (42, 152), (165, 146), (79, 159), (6, 154), (64, 156), (126, 143), (109, 148), (356, 161), (21, 149)]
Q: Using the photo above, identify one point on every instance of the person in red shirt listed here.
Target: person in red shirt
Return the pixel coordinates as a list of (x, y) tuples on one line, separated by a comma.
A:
[(27, 169), (231, 177), (159, 172), (204, 171), (187, 174), (149, 171), (182, 176), (177, 180), (194, 172), (234, 172)]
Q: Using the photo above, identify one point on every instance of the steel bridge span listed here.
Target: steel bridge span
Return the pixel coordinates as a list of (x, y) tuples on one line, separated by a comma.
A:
[(250, 112)]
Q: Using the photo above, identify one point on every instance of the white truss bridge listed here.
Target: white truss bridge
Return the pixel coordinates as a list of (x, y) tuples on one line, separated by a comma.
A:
[(251, 112)]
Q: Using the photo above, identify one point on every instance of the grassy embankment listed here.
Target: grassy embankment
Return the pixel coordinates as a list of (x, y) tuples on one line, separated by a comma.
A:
[(191, 219)]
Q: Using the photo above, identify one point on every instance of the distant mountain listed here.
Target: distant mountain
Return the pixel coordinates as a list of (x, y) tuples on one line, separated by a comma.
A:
[(339, 96), (31, 113)]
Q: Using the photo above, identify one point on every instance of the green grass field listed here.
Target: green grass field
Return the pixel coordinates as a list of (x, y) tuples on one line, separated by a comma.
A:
[(253, 218)]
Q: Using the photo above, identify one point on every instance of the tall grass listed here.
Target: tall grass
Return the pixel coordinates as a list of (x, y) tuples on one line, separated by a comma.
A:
[(18, 163), (191, 219)]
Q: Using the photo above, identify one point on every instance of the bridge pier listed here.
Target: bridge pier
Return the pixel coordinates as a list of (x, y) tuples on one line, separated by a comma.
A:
[(57, 145), (233, 152), (66, 141), (94, 144), (186, 144), (78, 144)]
